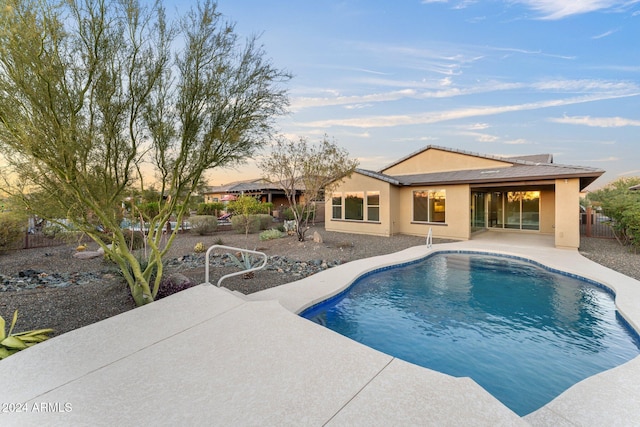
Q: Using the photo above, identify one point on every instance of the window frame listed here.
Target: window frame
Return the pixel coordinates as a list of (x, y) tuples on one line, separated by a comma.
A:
[(433, 205), (337, 196)]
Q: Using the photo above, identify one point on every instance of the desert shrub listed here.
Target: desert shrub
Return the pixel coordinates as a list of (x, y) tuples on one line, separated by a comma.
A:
[(53, 231), (135, 239), (172, 284), (203, 224), (271, 234), (288, 213), (265, 208), (12, 229), (266, 221), (199, 248), (245, 223), (210, 208)]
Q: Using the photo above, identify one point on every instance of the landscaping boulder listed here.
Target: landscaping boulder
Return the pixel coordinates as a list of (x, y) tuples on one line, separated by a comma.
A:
[(317, 238)]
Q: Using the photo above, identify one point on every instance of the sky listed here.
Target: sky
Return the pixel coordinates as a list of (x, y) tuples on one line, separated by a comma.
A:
[(384, 79)]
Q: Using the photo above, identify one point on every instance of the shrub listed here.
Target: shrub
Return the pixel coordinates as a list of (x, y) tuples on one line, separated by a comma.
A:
[(199, 248), (265, 220), (52, 231), (288, 213), (271, 234), (12, 229), (210, 208), (172, 284), (135, 239), (245, 224), (203, 224)]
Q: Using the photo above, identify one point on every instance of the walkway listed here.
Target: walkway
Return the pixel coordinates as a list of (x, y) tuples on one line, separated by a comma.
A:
[(207, 356)]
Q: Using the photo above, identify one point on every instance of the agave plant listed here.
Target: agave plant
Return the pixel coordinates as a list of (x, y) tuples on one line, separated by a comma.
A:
[(11, 343), (244, 261)]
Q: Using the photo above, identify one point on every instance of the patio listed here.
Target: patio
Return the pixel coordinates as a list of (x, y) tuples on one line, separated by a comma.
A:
[(208, 356)]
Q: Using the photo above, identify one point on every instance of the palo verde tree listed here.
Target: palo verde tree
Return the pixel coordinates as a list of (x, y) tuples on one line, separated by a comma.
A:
[(100, 96), (304, 171)]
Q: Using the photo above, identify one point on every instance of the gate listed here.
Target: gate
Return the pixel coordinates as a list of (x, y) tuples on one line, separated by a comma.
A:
[(595, 224)]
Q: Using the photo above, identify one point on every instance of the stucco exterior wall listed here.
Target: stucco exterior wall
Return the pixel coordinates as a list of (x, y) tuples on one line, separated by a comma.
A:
[(434, 160), (567, 232), (358, 182), (457, 213), (547, 212)]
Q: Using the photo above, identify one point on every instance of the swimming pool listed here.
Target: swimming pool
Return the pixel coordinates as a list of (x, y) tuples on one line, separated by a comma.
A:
[(522, 332)]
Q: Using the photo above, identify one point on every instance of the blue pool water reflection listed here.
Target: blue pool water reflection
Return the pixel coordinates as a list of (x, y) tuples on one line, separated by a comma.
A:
[(522, 332)]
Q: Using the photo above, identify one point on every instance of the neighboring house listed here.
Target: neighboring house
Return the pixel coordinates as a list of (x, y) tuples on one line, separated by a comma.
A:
[(456, 193), (260, 188)]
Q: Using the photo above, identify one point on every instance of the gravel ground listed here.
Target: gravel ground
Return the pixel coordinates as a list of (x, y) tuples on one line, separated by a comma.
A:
[(93, 289)]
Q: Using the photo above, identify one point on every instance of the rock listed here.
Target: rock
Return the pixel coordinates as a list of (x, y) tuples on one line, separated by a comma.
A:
[(317, 238), (87, 254)]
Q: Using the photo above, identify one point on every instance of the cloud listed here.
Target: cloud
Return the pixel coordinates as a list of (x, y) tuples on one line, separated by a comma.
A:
[(601, 122), (519, 141), (555, 9), (631, 172), (605, 34), (601, 159), (478, 126), (462, 113), (445, 89)]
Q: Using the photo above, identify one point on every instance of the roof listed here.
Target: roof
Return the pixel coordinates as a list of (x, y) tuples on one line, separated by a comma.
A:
[(517, 173), (450, 150), (535, 167), (251, 185), (242, 186), (535, 158), (635, 187)]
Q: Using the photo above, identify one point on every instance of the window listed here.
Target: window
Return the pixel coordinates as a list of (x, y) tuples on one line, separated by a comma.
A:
[(373, 206), (336, 206), (429, 206), (354, 206)]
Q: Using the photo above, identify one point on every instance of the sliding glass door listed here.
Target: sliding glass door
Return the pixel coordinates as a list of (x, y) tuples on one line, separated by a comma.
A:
[(517, 210)]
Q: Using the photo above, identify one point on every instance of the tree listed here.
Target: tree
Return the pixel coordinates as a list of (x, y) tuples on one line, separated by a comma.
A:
[(622, 205), (244, 209), (100, 96), (297, 166)]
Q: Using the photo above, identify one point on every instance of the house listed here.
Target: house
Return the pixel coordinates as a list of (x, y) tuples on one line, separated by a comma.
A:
[(260, 188), (456, 193)]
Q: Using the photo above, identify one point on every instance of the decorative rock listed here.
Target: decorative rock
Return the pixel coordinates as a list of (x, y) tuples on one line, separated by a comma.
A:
[(317, 238), (87, 254)]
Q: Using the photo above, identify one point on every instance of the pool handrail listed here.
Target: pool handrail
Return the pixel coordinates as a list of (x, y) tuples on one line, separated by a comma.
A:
[(429, 238), (237, 273)]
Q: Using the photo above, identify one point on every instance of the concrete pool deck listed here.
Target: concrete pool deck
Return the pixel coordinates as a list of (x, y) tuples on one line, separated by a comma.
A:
[(207, 356)]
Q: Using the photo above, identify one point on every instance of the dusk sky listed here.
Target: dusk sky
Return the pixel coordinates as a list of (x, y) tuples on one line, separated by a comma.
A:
[(513, 77)]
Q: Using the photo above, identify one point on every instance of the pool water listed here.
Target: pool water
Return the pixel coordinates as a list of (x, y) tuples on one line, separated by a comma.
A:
[(522, 332)]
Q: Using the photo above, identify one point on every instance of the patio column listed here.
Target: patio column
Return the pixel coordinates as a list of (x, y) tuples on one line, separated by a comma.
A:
[(567, 232)]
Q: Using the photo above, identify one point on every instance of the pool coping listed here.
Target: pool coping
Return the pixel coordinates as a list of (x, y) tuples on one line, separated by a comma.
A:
[(207, 354), (601, 399)]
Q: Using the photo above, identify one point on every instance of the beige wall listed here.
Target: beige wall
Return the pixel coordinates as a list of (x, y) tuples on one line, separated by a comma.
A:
[(547, 211), (457, 214), (567, 200), (358, 182), (434, 160)]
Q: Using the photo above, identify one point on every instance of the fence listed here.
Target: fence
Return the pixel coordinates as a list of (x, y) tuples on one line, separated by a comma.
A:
[(595, 224)]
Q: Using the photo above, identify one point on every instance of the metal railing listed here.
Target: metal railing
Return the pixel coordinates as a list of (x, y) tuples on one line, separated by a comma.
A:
[(237, 273), (430, 238)]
